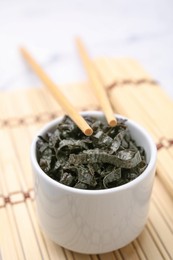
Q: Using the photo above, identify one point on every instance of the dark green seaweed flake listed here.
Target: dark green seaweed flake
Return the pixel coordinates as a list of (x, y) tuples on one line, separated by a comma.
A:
[(107, 159), (112, 177), (126, 160)]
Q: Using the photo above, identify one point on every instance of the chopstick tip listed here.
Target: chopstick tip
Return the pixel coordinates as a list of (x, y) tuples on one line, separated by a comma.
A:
[(88, 131), (113, 122), (22, 50)]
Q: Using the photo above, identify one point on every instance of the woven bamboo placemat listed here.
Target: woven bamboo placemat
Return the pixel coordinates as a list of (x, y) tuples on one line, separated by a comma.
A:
[(22, 112)]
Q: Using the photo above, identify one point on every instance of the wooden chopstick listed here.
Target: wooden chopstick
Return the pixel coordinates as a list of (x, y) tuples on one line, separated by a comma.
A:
[(96, 83), (62, 100)]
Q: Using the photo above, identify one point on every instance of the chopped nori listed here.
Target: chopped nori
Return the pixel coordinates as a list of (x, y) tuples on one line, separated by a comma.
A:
[(107, 159)]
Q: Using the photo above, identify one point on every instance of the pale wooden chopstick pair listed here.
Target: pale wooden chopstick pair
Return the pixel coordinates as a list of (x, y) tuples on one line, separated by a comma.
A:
[(62, 100)]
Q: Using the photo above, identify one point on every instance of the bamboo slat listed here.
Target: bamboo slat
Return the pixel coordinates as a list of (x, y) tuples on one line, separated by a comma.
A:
[(7, 239), (157, 241), (118, 255), (41, 242), (145, 239), (139, 250), (160, 196), (23, 112), (108, 256)]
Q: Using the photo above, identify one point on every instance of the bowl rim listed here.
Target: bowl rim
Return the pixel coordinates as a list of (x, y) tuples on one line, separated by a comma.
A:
[(146, 172)]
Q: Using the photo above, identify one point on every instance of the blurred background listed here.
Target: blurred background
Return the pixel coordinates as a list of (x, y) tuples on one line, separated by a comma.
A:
[(139, 29)]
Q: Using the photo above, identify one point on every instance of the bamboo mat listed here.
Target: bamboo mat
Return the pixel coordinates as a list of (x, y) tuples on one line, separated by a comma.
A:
[(22, 112)]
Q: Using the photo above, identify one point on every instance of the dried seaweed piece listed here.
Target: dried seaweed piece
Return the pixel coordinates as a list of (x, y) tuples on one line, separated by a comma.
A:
[(91, 169), (54, 138), (96, 124), (102, 157), (124, 144), (59, 163), (46, 159), (140, 167), (107, 169), (85, 176), (117, 141), (112, 178), (133, 176), (68, 128), (132, 146), (125, 154), (80, 185), (72, 145), (106, 140), (102, 139), (67, 179), (96, 167), (108, 158)]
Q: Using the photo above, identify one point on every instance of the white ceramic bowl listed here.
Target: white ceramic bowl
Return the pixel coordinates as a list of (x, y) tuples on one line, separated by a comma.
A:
[(94, 221)]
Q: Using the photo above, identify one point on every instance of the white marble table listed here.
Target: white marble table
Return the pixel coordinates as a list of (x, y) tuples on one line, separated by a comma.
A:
[(141, 29)]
